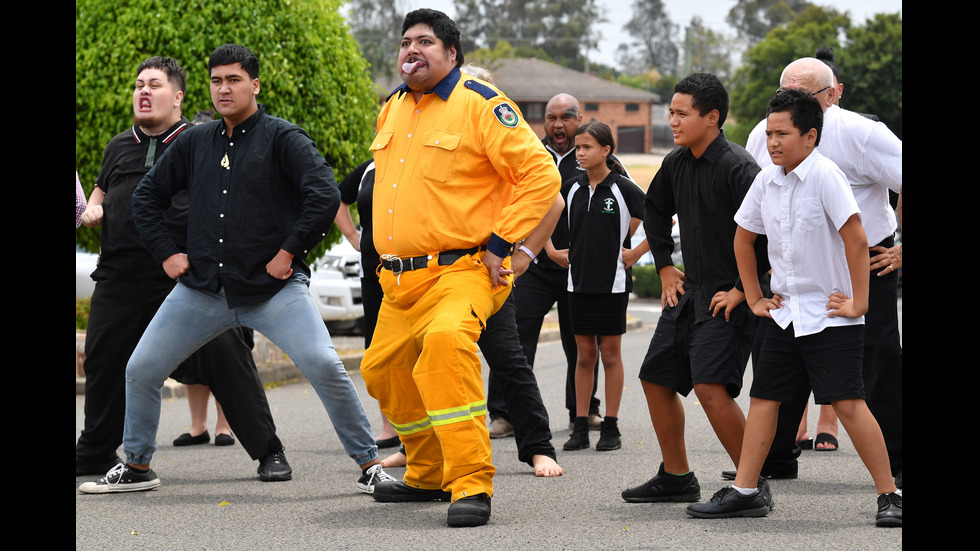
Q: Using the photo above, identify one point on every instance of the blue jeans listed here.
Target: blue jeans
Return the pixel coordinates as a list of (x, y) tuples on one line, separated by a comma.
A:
[(190, 318)]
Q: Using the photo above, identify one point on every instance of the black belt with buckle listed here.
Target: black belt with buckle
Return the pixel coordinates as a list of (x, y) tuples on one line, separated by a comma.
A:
[(399, 265)]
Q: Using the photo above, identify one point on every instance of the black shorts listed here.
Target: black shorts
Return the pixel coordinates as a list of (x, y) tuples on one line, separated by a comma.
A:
[(683, 353), (829, 361), (598, 313)]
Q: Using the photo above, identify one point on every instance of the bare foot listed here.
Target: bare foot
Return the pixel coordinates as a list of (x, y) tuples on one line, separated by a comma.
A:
[(394, 460), (546, 466)]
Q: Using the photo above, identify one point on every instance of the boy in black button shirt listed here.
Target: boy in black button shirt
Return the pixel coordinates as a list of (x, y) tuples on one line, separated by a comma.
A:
[(705, 333)]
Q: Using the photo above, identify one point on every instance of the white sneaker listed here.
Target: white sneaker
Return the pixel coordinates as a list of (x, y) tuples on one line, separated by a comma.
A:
[(122, 479)]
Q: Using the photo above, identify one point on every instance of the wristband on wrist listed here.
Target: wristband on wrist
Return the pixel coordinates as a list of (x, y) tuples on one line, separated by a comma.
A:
[(528, 251)]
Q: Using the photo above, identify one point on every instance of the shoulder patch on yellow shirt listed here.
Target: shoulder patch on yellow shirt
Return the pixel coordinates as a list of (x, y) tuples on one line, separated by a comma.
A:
[(480, 88), (507, 115)]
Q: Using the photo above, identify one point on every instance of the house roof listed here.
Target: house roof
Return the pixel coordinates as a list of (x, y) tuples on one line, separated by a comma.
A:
[(530, 79)]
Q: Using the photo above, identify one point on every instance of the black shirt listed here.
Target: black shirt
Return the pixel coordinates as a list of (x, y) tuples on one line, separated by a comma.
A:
[(704, 193), (263, 189), (598, 229), (358, 187), (569, 169), (124, 163)]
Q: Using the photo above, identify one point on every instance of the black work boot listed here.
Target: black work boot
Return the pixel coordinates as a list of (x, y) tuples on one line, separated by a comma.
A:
[(609, 437), (580, 435)]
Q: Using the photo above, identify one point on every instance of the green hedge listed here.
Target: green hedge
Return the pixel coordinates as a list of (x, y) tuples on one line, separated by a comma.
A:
[(646, 281), (82, 308), (312, 71)]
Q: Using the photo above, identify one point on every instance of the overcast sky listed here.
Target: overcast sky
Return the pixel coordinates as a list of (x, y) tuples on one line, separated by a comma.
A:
[(713, 12)]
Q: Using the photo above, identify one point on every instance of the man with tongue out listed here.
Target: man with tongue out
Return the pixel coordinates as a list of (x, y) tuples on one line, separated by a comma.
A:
[(460, 179)]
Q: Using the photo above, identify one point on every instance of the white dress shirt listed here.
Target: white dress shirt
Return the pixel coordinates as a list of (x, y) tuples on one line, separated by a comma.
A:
[(870, 156), (802, 213)]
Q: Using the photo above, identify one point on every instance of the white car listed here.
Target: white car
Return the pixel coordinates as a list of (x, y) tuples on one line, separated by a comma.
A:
[(336, 288), (84, 266), (647, 258)]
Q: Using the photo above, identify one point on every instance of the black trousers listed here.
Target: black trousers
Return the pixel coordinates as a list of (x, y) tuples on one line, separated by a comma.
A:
[(883, 361), (535, 292), (516, 383), (121, 310), (882, 378)]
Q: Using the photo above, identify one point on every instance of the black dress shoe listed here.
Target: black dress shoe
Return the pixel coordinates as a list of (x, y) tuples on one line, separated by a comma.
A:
[(889, 510), (274, 468), (398, 491), (187, 440), (469, 511)]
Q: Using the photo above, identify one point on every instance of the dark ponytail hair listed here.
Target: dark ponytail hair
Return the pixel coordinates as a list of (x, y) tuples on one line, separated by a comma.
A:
[(602, 134)]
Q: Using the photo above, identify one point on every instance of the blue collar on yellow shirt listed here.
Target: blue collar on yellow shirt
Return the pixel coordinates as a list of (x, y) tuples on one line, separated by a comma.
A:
[(443, 89)]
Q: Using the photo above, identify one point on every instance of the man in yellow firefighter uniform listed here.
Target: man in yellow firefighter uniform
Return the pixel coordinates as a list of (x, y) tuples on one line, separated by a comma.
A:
[(460, 179)]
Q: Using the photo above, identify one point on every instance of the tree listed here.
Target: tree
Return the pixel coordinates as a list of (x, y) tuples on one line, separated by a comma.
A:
[(376, 25), (757, 80), (653, 38), (754, 19), (871, 69), (561, 29), (707, 51), (312, 72)]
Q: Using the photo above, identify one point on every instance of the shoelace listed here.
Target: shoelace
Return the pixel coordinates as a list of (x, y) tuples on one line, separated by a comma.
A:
[(720, 494), (278, 457), (378, 474), (116, 472), (889, 499)]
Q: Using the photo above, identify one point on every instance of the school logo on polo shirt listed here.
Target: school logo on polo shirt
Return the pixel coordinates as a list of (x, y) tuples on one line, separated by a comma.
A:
[(506, 115), (609, 204)]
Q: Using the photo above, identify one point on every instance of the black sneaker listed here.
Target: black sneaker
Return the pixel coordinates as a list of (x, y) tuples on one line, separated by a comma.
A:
[(665, 487), (469, 511), (727, 502), (371, 476), (397, 491), (274, 468), (889, 510), (122, 478)]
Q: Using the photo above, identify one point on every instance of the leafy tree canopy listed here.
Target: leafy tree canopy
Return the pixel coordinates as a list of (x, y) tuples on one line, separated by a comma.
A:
[(754, 19), (312, 71), (708, 51), (871, 69), (376, 25), (653, 45), (562, 29), (756, 81)]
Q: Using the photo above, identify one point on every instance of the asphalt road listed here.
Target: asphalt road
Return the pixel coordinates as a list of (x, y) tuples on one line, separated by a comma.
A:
[(211, 497)]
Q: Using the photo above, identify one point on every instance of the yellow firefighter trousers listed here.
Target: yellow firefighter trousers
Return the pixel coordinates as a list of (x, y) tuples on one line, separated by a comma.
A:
[(422, 367)]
